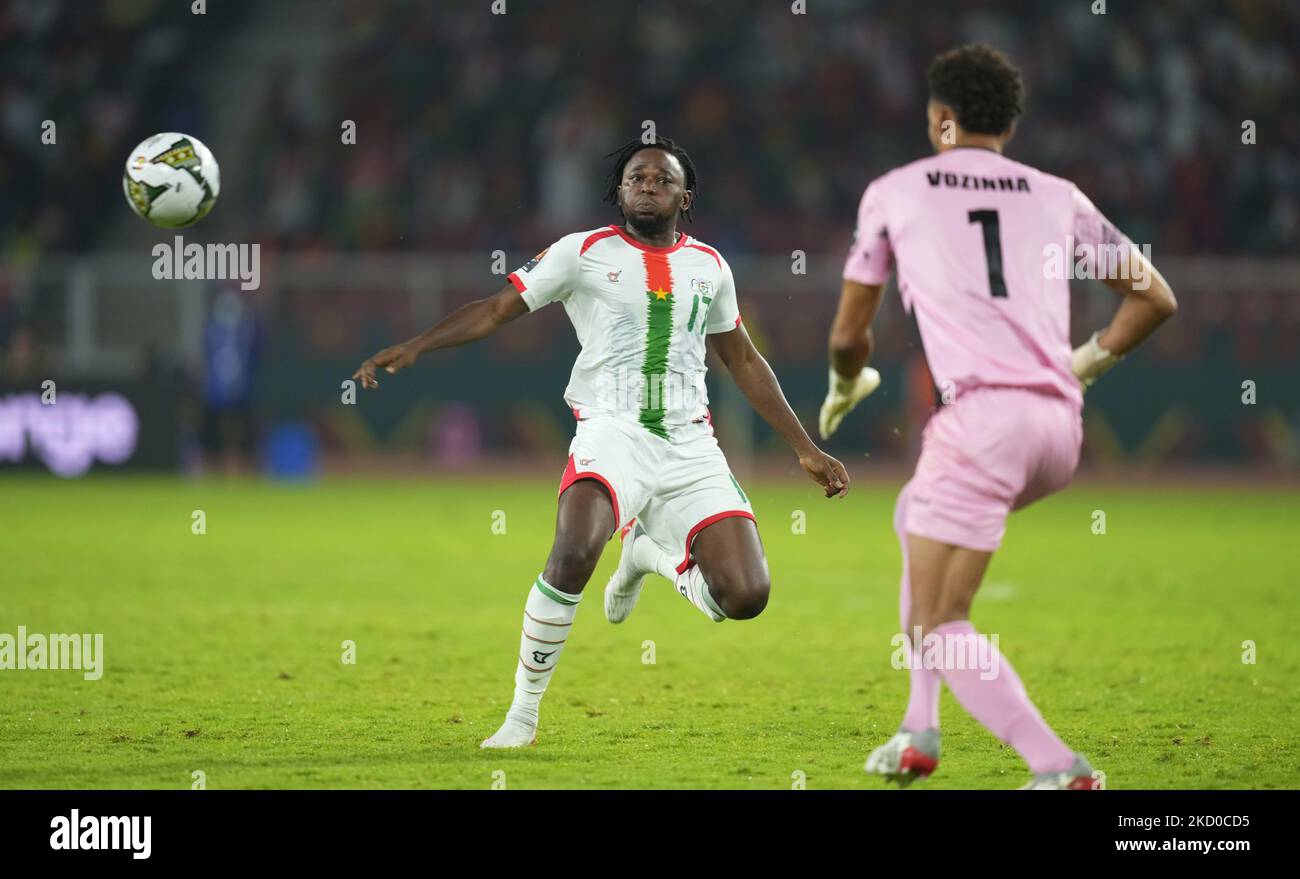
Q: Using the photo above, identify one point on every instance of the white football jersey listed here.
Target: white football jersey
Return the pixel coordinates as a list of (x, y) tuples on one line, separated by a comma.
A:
[(641, 314)]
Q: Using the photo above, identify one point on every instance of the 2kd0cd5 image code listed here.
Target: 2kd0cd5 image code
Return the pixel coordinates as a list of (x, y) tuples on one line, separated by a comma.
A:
[(1193, 832)]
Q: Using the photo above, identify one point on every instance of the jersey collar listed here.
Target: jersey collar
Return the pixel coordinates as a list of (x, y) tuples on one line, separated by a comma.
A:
[(681, 241)]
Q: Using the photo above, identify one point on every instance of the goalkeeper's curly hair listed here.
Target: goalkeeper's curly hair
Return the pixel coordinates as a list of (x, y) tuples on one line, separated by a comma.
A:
[(624, 154), (981, 85)]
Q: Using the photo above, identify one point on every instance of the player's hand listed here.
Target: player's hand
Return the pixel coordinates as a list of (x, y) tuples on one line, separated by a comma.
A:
[(826, 471), (843, 395), (390, 359)]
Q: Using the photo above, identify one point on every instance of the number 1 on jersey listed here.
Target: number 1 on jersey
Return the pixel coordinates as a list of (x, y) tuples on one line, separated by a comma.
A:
[(988, 221)]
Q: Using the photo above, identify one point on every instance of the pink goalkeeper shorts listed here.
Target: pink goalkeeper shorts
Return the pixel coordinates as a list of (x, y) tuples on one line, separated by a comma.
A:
[(993, 450)]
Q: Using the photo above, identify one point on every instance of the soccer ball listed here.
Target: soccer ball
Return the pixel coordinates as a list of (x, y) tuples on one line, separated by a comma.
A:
[(171, 180)]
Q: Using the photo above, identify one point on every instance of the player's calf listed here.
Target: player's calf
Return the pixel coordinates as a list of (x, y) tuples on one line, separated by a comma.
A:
[(572, 563)]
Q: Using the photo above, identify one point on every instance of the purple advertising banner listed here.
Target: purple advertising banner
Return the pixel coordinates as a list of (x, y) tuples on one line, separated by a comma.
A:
[(74, 427)]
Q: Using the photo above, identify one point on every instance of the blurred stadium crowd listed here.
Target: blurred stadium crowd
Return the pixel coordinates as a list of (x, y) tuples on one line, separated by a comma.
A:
[(789, 117), (471, 124), (477, 132)]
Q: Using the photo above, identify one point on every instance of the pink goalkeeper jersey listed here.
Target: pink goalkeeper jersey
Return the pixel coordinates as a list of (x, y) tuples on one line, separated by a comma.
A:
[(974, 234)]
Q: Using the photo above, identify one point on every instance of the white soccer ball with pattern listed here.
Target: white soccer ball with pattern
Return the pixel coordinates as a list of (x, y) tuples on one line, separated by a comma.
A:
[(171, 180)]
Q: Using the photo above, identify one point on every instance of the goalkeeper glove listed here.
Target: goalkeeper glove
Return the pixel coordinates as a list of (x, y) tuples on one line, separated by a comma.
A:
[(844, 394)]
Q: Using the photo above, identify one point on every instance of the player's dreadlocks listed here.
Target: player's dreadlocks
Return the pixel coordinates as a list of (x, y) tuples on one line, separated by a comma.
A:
[(981, 85), (624, 154)]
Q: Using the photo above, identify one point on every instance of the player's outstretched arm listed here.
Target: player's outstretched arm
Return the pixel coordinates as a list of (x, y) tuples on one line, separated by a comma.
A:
[(758, 383), (466, 324), (850, 380), (1148, 302)]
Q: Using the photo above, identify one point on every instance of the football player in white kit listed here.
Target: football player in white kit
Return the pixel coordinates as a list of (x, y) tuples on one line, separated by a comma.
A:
[(643, 298)]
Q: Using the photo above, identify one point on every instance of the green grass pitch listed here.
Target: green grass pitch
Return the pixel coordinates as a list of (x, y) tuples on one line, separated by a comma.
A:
[(223, 651)]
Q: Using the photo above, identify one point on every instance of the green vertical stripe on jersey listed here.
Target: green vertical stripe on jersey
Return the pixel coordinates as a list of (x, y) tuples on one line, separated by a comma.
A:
[(659, 332)]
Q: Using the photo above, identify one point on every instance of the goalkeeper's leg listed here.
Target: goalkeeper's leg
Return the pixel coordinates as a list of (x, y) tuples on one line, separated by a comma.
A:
[(955, 519)]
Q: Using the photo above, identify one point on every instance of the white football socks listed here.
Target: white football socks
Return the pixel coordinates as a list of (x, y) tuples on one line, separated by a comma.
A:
[(691, 584), (548, 615), (649, 556)]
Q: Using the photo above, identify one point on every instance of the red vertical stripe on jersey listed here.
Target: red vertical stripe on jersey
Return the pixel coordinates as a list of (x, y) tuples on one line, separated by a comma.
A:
[(658, 274)]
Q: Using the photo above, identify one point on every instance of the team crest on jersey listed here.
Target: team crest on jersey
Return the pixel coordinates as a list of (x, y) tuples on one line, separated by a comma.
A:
[(704, 288), (528, 266), (613, 276)]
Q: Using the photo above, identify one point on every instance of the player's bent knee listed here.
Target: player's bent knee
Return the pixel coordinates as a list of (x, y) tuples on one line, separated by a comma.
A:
[(744, 597)]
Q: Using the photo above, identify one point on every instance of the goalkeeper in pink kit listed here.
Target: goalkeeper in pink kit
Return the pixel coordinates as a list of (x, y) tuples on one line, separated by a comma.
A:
[(981, 245)]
